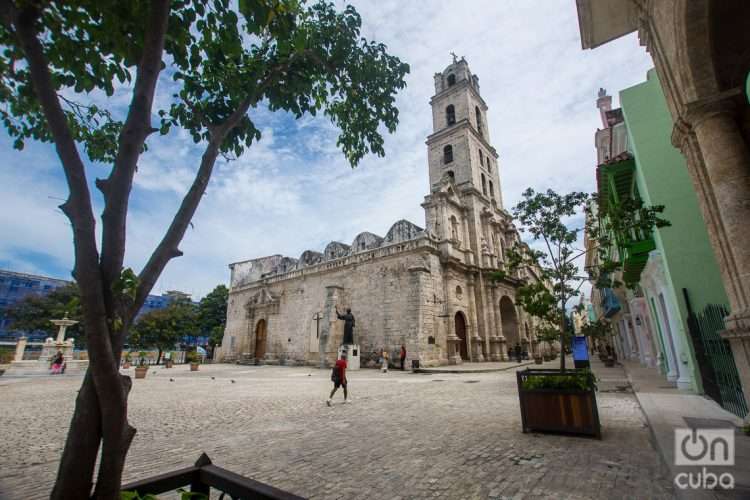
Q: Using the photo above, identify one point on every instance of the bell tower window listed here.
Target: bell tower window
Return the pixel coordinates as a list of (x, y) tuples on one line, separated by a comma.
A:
[(492, 191), (479, 119), (450, 115), (451, 80), (484, 185), (448, 154)]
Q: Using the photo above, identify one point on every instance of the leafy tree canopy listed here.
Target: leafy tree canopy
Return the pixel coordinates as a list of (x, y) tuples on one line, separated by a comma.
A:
[(33, 313), (297, 57), (163, 328), (212, 312), (550, 219)]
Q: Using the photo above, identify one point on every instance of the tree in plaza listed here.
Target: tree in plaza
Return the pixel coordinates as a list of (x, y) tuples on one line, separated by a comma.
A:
[(550, 218), (163, 328), (219, 61), (34, 312), (212, 314)]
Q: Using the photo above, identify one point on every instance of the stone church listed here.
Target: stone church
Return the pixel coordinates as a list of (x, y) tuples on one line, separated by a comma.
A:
[(427, 289)]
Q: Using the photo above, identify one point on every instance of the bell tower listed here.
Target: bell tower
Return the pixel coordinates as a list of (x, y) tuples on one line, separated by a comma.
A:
[(459, 145), (464, 210)]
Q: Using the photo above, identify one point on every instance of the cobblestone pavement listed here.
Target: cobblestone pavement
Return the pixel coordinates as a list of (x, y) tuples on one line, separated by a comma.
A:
[(404, 436)]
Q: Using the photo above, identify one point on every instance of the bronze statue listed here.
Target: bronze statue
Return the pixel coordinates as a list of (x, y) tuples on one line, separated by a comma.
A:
[(348, 319)]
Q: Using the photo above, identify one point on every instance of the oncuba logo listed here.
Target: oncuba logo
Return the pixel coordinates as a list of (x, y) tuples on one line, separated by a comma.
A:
[(704, 447)]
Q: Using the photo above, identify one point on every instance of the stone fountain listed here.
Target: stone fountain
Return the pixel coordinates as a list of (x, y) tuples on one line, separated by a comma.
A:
[(50, 348)]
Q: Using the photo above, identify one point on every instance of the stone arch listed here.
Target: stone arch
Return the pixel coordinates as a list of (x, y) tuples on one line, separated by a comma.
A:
[(509, 321), (261, 339), (461, 331)]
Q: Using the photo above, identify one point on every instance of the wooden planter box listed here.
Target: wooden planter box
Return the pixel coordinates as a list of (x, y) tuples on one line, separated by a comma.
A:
[(538, 360), (609, 362), (555, 410), (140, 371), (168, 363), (194, 367)]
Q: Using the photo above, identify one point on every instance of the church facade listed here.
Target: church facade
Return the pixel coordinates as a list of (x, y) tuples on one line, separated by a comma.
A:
[(426, 288)]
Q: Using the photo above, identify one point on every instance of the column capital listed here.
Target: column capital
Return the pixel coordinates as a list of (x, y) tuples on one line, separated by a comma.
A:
[(722, 103)]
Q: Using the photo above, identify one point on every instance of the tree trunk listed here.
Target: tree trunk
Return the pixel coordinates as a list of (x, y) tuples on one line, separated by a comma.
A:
[(81, 446), (158, 357), (562, 336)]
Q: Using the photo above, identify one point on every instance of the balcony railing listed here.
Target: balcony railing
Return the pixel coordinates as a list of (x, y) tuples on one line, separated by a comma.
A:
[(204, 476)]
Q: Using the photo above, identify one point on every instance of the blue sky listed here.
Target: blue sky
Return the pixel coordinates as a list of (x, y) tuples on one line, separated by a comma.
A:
[(294, 191)]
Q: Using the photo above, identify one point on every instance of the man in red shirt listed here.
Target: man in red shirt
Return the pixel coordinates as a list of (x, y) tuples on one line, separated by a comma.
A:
[(338, 377)]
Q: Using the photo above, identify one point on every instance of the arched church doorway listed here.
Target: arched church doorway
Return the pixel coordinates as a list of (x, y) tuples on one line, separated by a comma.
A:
[(260, 339), (461, 333), (510, 322)]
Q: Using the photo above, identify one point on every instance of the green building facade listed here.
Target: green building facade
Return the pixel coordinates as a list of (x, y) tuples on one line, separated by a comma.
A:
[(679, 261)]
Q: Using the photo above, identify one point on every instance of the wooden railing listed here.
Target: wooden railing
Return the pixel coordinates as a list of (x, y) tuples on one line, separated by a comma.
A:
[(203, 476)]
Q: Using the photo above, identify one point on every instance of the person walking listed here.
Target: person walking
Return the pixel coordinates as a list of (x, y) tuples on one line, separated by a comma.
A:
[(385, 361), (403, 356), (338, 377), (518, 352)]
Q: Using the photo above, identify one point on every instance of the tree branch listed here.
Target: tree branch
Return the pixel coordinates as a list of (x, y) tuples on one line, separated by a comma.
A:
[(168, 247), (116, 188)]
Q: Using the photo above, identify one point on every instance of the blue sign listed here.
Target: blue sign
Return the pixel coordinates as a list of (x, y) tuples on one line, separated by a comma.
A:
[(580, 349)]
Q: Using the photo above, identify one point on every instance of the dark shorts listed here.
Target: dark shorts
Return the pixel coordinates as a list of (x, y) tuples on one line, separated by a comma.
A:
[(338, 384)]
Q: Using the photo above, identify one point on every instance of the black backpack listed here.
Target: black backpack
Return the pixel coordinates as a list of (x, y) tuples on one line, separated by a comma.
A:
[(335, 374)]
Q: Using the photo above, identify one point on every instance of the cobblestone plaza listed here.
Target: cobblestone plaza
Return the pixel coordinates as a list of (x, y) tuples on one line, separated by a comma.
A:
[(404, 435)]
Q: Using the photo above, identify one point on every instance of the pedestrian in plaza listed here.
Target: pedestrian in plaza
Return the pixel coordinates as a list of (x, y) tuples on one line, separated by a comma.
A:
[(338, 377), (57, 366), (385, 361), (518, 352), (403, 356)]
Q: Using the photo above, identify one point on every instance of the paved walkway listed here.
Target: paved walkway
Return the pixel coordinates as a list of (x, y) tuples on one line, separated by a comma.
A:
[(668, 408), (405, 436), (488, 367)]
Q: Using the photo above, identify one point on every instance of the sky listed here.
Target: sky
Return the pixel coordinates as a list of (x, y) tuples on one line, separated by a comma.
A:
[(294, 191)]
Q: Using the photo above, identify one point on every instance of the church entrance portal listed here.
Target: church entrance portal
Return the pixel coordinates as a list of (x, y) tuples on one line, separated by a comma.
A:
[(461, 333), (260, 339)]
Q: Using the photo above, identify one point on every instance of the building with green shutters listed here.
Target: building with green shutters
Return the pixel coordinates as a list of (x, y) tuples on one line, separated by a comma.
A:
[(670, 265)]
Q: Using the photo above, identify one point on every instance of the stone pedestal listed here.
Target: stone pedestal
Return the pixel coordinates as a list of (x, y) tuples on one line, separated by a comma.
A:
[(476, 347), (496, 344), (20, 348), (454, 355), (352, 355)]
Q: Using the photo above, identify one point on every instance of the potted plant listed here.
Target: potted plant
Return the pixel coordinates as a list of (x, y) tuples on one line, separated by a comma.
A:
[(194, 359), (558, 401), (126, 360), (538, 359), (142, 368), (168, 360)]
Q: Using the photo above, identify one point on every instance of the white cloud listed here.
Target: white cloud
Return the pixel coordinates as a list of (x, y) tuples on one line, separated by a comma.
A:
[(293, 190)]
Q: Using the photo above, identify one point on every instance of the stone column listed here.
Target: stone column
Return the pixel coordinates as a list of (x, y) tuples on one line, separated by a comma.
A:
[(472, 335), (487, 318), (20, 348), (726, 161), (501, 342)]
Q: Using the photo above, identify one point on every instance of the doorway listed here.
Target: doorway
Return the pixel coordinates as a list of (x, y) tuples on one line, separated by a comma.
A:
[(260, 340), (461, 333)]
